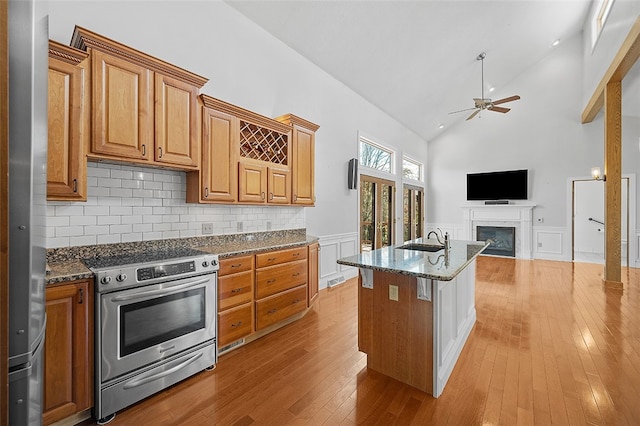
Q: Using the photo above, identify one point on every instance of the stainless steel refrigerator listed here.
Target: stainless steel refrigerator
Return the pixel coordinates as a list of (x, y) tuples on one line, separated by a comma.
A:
[(28, 79)]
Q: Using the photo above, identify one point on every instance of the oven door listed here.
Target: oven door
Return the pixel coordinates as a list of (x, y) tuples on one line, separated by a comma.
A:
[(143, 325)]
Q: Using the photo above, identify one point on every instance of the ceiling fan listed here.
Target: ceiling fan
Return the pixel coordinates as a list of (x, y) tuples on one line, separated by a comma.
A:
[(486, 103)]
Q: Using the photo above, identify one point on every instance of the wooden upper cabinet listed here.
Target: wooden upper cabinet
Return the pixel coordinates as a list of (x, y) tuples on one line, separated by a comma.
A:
[(302, 159), (217, 180), (68, 125), (176, 122), (144, 110), (122, 108), (278, 186), (253, 182)]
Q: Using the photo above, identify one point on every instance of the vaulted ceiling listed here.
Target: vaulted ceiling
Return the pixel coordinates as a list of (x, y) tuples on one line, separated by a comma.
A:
[(416, 60)]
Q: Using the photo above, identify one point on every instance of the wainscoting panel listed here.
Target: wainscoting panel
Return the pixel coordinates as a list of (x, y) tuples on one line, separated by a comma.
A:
[(637, 247), (551, 243), (332, 248)]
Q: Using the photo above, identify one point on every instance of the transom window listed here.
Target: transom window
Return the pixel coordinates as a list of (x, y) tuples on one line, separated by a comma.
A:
[(412, 169), (601, 13), (375, 156)]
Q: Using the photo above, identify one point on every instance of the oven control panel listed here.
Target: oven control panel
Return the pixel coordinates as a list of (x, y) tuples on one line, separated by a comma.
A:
[(167, 270), (117, 278)]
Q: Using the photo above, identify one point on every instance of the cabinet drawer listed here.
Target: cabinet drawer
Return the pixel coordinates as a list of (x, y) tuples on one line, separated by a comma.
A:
[(235, 289), (235, 264), (234, 324), (276, 308), (280, 277), (280, 256)]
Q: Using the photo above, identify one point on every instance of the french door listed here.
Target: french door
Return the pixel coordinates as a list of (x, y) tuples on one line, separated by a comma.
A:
[(413, 212), (376, 213)]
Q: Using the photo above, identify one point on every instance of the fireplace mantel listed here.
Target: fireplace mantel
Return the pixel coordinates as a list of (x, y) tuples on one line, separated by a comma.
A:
[(518, 215)]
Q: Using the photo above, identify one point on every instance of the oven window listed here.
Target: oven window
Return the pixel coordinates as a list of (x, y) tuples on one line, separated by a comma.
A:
[(151, 322)]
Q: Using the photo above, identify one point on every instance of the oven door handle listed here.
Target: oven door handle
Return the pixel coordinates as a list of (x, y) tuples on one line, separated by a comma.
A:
[(145, 380), (159, 292)]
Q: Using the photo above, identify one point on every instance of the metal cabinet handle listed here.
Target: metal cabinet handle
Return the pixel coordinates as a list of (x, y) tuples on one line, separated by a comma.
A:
[(81, 296), (296, 274), (295, 301), (236, 324), (144, 150), (237, 265), (206, 192), (75, 185), (271, 195), (295, 197), (271, 259), (272, 311), (144, 380), (160, 150), (236, 290), (262, 195), (271, 281), (296, 254)]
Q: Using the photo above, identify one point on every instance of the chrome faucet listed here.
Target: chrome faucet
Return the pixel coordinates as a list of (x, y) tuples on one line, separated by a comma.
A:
[(442, 240)]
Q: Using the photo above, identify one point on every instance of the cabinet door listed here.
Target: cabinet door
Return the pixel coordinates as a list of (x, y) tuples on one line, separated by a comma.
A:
[(122, 108), (68, 130), (303, 166), (68, 351), (279, 186), (219, 173), (253, 182), (312, 275), (176, 135)]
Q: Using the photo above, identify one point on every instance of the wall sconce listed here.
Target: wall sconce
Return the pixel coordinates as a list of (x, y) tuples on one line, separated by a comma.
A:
[(596, 174)]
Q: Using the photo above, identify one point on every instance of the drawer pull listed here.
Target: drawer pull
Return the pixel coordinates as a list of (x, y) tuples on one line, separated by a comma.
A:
[(271, 259), (296, 254), (272, 311), (237, 265), (295, 301), (236, 290), (296, 274), (271, 281), (236, 324)]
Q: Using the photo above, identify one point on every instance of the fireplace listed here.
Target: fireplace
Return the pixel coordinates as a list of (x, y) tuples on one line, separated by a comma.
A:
[(503, 239)]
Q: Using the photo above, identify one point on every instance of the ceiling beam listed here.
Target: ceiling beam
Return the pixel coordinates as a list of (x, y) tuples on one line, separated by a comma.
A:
[(624, 60)]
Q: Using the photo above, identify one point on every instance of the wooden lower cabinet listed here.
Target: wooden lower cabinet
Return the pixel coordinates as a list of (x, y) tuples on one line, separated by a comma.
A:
[(273, 309), (312, 274), (256, 292), (68, 354), (235, 299)]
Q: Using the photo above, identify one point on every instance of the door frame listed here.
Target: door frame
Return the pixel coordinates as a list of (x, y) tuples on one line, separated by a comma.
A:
[(4, 213), (632, 256)]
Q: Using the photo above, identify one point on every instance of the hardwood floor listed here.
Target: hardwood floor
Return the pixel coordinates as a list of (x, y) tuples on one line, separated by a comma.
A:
[(551, 345)]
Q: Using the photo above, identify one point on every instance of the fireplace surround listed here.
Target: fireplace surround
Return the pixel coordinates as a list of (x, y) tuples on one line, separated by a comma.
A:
[(518, 216)]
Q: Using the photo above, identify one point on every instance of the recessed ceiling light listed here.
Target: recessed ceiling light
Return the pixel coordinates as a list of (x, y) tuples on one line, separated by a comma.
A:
[(556, 42), (440, 126), (491, 89)]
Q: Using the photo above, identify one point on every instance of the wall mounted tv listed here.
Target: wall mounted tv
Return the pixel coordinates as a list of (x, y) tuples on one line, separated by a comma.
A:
[(505, 185)]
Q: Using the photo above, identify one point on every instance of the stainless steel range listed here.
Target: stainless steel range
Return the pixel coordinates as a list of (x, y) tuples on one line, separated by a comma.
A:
[(155, 323)]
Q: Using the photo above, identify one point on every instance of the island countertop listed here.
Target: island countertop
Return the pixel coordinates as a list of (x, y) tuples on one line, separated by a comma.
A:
[(436, 265)]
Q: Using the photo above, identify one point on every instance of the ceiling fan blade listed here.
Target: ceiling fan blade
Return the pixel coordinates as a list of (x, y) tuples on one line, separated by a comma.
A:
[(509, 99), (473, 115), (461, 110), (499, 109)]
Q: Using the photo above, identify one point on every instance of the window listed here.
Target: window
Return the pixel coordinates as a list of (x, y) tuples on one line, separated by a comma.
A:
[(601, 13), (411, 169), (413, 212), (375, 156)]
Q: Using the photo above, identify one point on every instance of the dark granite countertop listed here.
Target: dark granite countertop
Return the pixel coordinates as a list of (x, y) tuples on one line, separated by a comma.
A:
[(435, 265), (66, 264)]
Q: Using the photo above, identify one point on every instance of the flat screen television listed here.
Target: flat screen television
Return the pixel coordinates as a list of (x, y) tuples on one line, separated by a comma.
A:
[(505, 185)]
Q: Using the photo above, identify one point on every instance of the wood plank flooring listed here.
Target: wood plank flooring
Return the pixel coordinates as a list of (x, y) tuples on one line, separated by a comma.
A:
[(551, 345)]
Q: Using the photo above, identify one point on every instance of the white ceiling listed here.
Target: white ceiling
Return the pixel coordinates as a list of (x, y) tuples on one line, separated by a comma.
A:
[(416, 60)]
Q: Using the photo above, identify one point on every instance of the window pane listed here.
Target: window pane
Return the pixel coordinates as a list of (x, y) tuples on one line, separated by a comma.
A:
[(411, 169), (375, 157), (406, 214)]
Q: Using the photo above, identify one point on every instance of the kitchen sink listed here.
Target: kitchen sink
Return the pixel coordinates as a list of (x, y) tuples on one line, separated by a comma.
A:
[(422, 247)]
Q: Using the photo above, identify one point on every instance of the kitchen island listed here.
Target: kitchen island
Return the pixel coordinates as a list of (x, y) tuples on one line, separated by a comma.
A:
[(416, 308)]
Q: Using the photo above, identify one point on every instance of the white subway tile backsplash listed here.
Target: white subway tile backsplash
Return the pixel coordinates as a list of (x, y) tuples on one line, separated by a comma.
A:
[(134, 203)]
